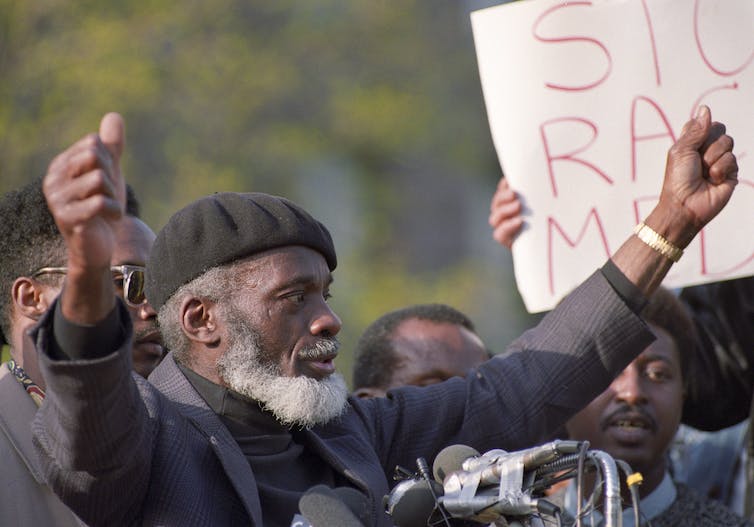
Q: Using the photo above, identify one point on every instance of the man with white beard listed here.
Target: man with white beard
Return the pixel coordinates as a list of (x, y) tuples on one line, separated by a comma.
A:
[(246, 413), (246, 366)]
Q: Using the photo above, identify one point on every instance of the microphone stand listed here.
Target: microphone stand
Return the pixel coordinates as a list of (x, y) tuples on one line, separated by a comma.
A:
[(613, 511)]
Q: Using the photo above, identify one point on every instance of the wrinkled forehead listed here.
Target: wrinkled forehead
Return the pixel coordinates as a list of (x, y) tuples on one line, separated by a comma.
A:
[(284, 266), (452, 345)]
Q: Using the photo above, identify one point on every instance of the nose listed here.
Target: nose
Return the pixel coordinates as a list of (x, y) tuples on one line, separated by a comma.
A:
[(145, 311), (629, 387), (325, 323)]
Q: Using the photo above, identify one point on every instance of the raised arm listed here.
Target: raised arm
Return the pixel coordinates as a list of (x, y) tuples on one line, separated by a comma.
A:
[(80, 429), (700, 176), (86, 194)]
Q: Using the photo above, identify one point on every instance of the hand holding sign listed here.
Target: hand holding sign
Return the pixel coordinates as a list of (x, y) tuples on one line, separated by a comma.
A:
[(505, 214)]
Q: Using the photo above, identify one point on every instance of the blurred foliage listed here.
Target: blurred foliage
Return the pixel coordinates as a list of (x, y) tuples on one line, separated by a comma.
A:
[(368, 113)]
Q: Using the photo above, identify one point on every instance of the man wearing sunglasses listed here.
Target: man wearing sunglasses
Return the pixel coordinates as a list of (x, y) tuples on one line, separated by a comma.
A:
[(31, 276), (247, 411)]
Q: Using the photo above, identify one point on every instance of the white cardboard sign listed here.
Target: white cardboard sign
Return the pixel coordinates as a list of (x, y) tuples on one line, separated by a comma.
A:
[(584, 99)]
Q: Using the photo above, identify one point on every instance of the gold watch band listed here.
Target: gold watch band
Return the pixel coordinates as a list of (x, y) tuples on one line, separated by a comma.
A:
[(657, 242)]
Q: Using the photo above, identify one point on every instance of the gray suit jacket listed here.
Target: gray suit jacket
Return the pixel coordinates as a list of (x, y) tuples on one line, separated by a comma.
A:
[(24, 497), (121, 451)]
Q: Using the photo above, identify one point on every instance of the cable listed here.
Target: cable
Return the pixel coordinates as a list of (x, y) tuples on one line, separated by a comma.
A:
[(580, 481), (548, 481), (633, 480), (421, 464), (594, 497)]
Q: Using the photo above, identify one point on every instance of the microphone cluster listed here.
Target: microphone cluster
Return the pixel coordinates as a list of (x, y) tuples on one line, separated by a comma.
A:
[(498, 485)]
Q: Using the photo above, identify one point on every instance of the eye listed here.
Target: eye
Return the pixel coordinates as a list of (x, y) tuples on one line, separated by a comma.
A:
[(296, 297), (118, 280), (658, 374)]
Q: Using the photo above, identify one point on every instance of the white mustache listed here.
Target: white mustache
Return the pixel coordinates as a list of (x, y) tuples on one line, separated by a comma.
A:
[(322, 349)]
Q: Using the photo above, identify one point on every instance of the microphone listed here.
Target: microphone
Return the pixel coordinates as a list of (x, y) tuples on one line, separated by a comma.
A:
[(357, 501), (414, 501), (461, 457), (498, 484), (325, 507), (450, 459), (494, 484)]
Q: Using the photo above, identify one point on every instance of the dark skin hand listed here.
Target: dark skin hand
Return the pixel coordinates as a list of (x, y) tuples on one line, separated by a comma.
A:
[(85, 192), (700, 176)]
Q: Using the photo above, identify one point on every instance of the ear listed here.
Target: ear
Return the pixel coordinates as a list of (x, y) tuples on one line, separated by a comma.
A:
[(199, 321), (369, 393), (31, 298)]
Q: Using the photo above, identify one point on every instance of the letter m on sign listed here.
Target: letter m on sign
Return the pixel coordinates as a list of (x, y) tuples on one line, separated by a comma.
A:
[(555, 232)]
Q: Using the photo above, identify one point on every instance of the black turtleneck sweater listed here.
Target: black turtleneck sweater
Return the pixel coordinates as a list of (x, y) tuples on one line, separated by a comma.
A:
[(283, 466)]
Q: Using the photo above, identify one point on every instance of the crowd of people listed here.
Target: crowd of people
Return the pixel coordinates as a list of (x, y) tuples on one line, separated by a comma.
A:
[(243, 412)]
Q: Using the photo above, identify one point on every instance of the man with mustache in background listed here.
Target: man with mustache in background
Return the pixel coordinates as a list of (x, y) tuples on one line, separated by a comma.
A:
[(636, 418)]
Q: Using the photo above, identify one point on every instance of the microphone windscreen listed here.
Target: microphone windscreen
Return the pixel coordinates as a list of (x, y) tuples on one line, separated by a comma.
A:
[(356, 501), (323, 508), (450, 460), (411, 503)]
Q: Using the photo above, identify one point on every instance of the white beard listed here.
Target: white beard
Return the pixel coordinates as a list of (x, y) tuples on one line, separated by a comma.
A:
[(300, 401)]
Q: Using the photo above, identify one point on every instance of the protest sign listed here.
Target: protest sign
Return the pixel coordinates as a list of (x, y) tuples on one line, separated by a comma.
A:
[(584, 99)]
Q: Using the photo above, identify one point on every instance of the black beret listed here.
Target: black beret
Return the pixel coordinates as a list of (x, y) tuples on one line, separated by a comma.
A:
[(224, 227)]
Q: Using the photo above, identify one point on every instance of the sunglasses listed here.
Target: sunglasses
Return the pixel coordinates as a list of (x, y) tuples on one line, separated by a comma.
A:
[(129, 280)]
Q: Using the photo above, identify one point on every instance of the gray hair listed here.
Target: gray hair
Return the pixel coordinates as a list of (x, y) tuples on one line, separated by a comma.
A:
[(215, 285)]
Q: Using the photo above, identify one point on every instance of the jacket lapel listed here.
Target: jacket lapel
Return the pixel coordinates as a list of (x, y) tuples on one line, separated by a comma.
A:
[(348, 454), (169, 380), (17, 411)]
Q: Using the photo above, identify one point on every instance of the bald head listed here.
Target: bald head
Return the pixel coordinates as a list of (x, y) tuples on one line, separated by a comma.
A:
[(416, 346)]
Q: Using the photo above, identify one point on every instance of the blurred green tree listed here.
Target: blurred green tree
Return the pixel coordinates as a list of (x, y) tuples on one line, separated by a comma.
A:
[(367, 113)]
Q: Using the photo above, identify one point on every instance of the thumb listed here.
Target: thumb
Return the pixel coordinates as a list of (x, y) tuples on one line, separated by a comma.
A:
[(695, 131), (112, 132)]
